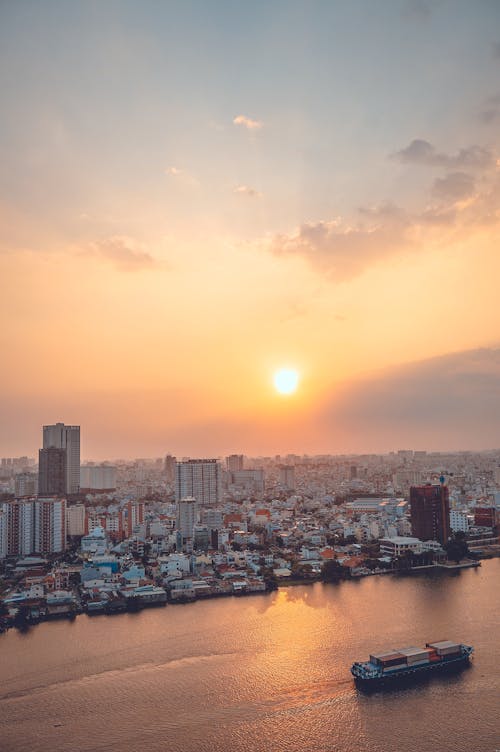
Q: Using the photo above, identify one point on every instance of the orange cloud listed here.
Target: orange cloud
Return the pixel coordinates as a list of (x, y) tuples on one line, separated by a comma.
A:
[(125, 253), (246, 122)]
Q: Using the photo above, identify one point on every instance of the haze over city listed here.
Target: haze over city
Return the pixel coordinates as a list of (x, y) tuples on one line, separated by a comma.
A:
[(195, 196)]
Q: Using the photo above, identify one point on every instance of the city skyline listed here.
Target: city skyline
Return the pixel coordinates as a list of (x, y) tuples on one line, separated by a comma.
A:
[(195, 197)]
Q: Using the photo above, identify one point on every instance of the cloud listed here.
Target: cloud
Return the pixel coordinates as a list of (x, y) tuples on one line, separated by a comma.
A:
[(343, 250), (245, 190), (496, 49), (185, 178), (491, 111), (246, 122), (447, 402), (490, 115), (422, 152), (461, 205), (125, 253), (454, 186)]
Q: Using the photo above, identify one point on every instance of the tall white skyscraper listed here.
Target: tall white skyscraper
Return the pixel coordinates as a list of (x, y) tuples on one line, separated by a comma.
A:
[(65, 437), (50, 525), (201, 479)]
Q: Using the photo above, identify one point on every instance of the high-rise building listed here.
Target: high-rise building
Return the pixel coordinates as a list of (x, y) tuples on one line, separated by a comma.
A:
[(234, 463), (459, 521), (26, 484), (430, 512), (65, 437), (132, 515), (50, 525), (30, 526), (486, 516), (287, 477), (3, 531), (248, 480), (75, 519), (52, 476), (187, 517), (200, 479), (11, 522), (97, 478), (170, 463)]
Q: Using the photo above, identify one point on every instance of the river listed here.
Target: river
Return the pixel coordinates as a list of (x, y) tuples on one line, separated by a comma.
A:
[(265, 673)]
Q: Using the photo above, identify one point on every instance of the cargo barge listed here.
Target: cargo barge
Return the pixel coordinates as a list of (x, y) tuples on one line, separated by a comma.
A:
[(411, 663)]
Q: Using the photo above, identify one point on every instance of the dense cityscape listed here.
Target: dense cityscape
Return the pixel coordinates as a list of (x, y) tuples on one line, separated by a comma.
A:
[(249, 403), (110, 537)]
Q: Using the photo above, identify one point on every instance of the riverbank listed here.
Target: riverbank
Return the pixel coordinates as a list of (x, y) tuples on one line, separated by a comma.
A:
[(34, 612), (267, 673)]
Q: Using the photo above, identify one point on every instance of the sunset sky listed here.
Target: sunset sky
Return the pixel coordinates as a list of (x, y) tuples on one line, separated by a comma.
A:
[(196, 194)]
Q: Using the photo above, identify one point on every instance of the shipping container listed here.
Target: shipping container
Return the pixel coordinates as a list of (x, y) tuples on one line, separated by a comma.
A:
[(387, 659), (398, 666), (420, 662), (443, 646)]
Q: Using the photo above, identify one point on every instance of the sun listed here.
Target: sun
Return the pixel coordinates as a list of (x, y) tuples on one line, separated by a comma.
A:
[(286, 380)]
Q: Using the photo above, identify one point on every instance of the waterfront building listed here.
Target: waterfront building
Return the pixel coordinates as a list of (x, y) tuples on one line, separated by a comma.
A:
[(200, 479), (486, 516), (398, 545), (459, 521), (430, 512), (65, 437)]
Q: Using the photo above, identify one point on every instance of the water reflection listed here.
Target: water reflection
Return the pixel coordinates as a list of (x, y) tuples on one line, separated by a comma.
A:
[(268, 673)]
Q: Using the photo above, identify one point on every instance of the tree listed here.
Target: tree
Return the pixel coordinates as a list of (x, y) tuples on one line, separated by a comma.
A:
[(332, 571), (457, 547), (270, 579), (21, 619), (404, 561)]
